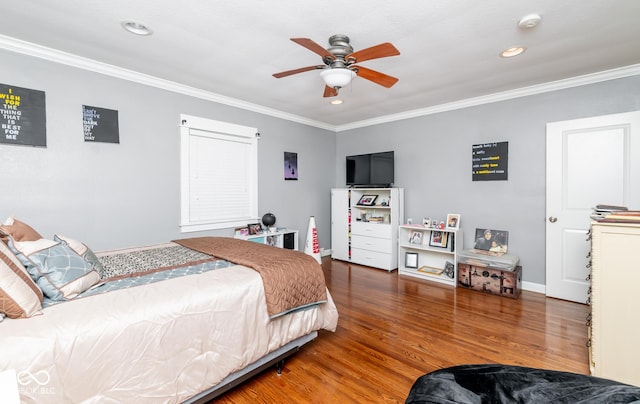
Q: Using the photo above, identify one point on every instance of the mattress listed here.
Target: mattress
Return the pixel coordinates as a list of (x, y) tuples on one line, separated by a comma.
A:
[(159, 343)]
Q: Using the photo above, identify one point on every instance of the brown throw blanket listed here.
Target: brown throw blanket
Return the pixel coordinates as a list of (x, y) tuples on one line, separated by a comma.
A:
[(291, 279)]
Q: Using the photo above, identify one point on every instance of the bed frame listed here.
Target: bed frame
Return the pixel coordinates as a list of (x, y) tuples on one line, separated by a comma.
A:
[(276, 358)]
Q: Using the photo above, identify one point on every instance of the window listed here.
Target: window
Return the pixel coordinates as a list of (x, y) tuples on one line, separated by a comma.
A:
[(218, 174)]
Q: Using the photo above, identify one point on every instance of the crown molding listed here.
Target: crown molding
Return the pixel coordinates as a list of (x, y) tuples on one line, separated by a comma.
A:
[(69, 59), (56, 56), (577, 81)]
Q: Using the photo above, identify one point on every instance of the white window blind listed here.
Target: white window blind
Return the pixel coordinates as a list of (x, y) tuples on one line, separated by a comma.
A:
[(218, 174)]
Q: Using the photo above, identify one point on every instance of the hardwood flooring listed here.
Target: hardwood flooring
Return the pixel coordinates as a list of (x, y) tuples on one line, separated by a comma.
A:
[(393, 329)]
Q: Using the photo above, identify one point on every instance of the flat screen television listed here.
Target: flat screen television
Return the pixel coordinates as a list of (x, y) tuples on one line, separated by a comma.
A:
[(370, 170)]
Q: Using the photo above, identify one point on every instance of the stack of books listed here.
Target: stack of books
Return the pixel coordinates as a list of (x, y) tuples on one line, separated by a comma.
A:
[(615, 214)]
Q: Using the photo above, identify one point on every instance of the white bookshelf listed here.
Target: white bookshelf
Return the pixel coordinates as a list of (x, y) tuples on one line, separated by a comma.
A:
[(418, 257)]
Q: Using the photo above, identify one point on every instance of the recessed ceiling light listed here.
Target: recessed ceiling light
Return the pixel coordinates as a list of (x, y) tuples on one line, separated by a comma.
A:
[(513, 51), (336, 102), (136, 28)]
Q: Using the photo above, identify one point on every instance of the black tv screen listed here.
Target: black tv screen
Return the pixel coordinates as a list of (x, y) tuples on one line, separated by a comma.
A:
[(370, 170)]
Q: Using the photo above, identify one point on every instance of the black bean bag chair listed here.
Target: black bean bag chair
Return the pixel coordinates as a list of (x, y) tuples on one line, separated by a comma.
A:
[(516, 384)]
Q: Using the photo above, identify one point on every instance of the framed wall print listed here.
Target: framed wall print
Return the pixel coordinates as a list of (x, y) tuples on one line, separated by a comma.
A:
[(290, 166), (411, 260), (453, 221)]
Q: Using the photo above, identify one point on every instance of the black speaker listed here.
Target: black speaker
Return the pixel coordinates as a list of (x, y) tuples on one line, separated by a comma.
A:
[(288, 241)]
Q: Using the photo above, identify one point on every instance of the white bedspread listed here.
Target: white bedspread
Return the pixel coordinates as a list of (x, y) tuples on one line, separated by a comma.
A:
[(158, 343)]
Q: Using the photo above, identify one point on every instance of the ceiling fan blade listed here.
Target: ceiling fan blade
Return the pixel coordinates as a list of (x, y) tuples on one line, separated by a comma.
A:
[(313, 47), (330, 91), (375, 76), (375, 52), (296, 71)]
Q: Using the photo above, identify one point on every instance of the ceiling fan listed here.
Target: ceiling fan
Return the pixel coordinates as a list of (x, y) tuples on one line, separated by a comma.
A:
[(340, 60)]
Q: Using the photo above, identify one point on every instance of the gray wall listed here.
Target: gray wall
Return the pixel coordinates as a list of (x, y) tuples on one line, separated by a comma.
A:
[(433, 161), (118, 195), (127, 194)]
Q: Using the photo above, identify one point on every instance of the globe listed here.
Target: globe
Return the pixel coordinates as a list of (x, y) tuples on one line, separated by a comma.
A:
[(269, 219)]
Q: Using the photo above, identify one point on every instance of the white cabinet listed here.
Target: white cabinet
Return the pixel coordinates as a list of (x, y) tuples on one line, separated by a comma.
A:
[(429, 253), (364, 225), (615, 284), (284, 238), (340, 224)]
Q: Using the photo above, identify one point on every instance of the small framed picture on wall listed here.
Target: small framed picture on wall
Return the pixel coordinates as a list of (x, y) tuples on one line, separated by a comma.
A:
[(290, 166)]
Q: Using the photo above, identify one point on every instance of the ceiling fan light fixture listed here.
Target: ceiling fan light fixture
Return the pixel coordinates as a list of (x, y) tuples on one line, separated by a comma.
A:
[(336, 102), (337, 77)]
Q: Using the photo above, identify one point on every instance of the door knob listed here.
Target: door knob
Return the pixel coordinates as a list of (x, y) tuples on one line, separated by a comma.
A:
[(553, 219)]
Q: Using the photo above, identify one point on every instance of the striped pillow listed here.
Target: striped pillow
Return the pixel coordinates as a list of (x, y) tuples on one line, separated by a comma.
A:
[(19, 295)]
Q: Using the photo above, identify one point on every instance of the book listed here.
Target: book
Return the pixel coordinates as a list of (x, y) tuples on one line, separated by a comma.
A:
[(609, 208)]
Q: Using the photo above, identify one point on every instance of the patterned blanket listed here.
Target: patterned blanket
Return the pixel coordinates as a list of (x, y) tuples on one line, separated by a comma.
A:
[(122, 270), (291, 279)]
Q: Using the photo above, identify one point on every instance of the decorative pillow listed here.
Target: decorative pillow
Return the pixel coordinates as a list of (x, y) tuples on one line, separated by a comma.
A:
[(20, 231), (56, 268), (19, 295), (82, 250)]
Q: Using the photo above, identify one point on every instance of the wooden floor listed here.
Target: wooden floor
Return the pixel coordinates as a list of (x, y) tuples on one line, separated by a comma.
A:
[(393, 329)]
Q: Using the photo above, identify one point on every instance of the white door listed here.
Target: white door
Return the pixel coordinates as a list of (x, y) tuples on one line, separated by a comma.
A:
[(589, 161)]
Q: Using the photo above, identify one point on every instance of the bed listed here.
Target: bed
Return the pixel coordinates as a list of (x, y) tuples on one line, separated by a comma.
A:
[(495, 383), (161, 328)]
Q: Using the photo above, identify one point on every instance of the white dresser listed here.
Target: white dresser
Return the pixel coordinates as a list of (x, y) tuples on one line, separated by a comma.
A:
[(614, 331), (364, 225)]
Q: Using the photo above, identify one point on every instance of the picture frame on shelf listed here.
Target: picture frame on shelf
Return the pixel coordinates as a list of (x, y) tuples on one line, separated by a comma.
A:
[(411, 260), (415, 237), (272, 241), (434, 223), (254, 228), (492, 241), (242, 231), (439, 239), (449, 269), (453, 221), (367, 200), (426, 222)]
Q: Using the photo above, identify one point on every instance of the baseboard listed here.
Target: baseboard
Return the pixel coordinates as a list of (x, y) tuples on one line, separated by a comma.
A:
[(534, 287), (530, 286)]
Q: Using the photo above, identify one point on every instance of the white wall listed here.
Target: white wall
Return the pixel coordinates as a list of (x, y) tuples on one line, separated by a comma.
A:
[(433, 161), (127, 194)]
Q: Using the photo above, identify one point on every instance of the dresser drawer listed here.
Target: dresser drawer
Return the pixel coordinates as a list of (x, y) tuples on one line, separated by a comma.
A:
[(372, 244), (373, 259), (379, 230)]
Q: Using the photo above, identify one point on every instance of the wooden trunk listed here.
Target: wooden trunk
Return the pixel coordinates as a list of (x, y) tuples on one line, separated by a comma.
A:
[(501, 282)]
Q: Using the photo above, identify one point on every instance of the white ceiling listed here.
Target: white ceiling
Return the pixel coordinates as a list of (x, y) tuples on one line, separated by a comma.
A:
[(449, 49)]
